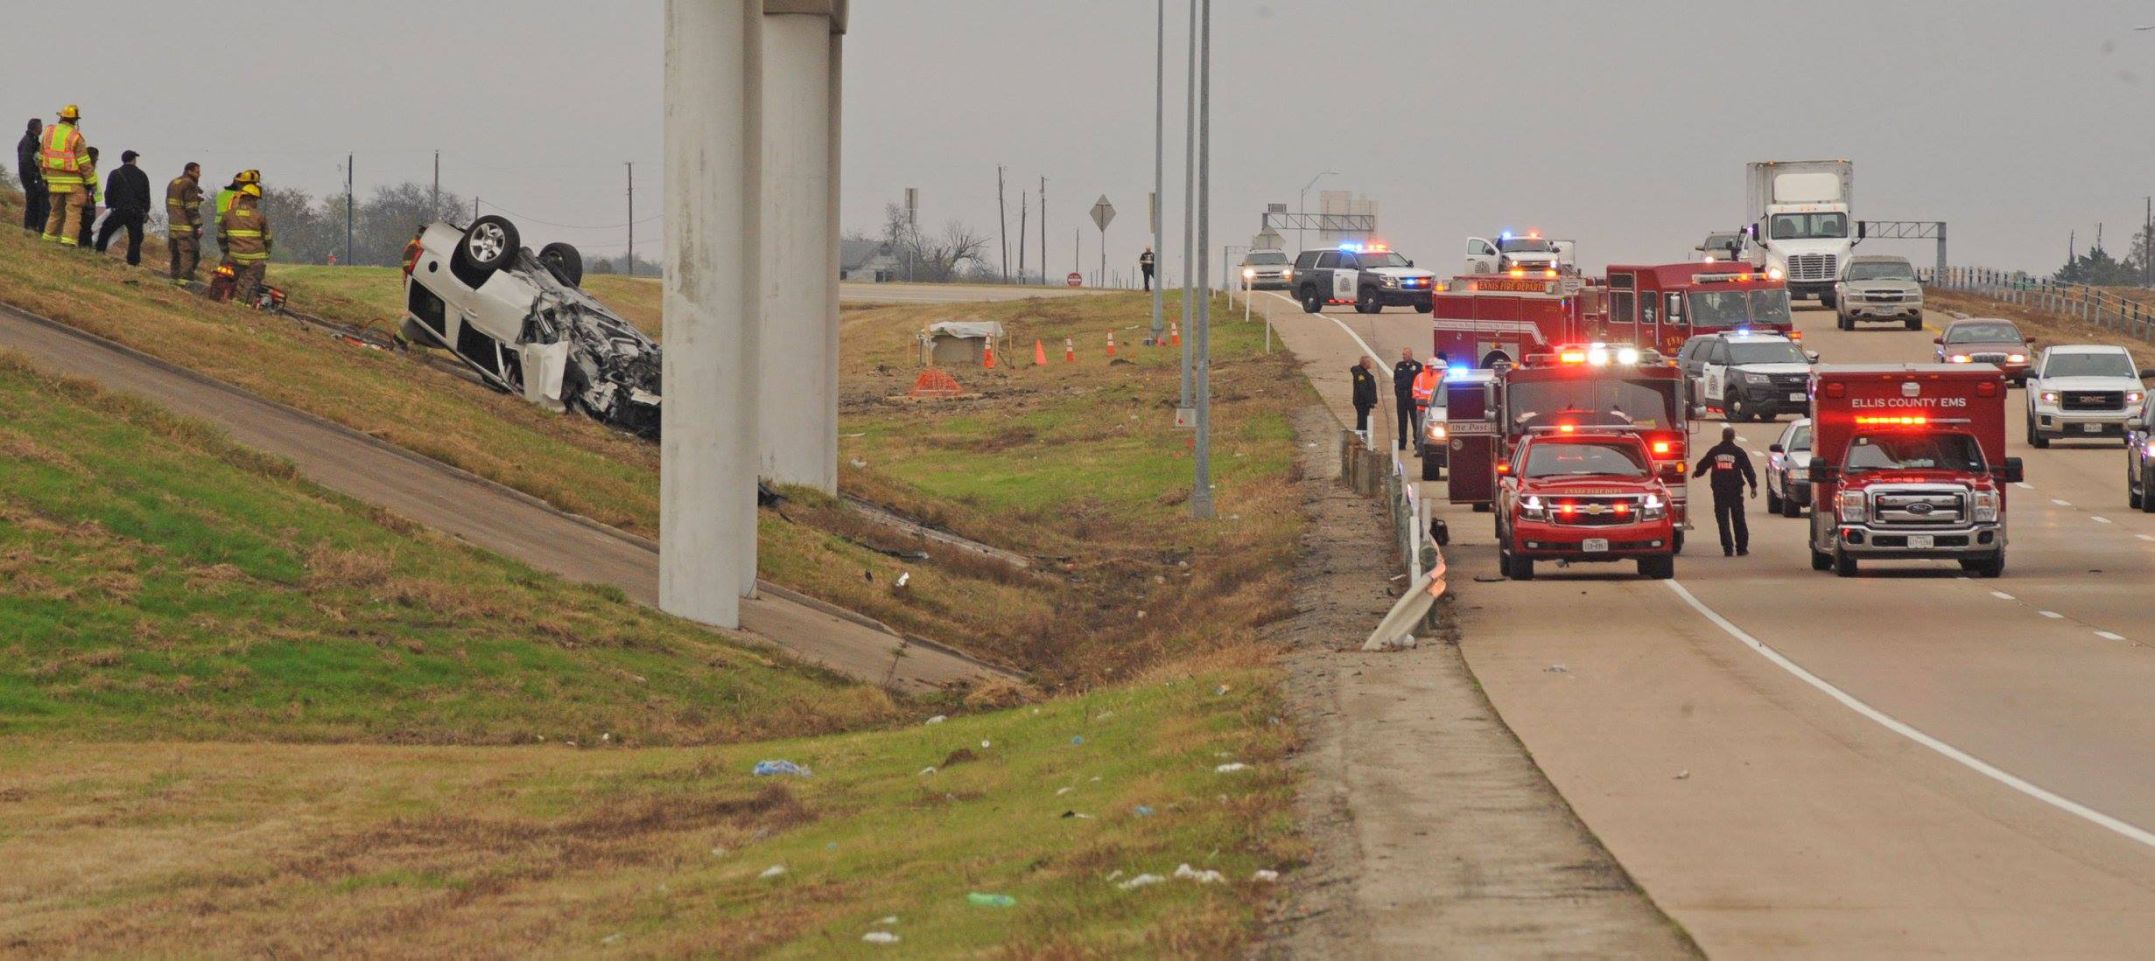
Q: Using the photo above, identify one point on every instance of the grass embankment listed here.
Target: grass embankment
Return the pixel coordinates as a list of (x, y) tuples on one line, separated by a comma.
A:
[(1073, 460), (156, 581)]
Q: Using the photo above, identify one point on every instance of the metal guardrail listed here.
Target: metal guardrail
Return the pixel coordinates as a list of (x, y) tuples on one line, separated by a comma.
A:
[(2095, 305)]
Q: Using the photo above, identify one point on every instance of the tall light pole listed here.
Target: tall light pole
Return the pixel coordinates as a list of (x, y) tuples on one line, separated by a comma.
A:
[(1201, 492), (1302, 205), (1159, 155), (1189, 206)]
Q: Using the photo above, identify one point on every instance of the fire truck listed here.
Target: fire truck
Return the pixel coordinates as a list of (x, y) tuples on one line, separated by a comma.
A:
[(1489, 414), (1664, 305), (1490, 318), (1908, 462), (1584, 493)]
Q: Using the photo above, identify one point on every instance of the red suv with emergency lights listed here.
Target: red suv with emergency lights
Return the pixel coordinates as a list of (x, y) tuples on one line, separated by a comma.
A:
[(1908, 462), (1584, 494)]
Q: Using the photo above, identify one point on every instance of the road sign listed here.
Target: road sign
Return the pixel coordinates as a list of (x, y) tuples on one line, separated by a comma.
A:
[(1075, 279), (1103, 213)]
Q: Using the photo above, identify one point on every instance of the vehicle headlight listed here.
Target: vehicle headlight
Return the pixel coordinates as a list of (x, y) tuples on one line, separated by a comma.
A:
[(1287, 273), (1850, 506), (2016, 358), (1775, 273), (1957, 359), (1436, 431), (2134, 397), (2048, 396), (1530, 507), (1653, 508), (1249, 273), (1756, 379), (1986, 507)]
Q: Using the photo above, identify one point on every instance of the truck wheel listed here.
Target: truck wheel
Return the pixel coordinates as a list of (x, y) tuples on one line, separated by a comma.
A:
[(1991, 566), (1676, 542), (1311, 303), (2133, 498), (2147, 504), (1844, 322), (1827, 300), (1820, 560), (1659, 568), (564, 261), (1735, 411), (1774, 502), (2035, 437), (1368, 302), (489, 243), (1424, 308), (1519, 568), (1916, 322), (1843, 564), (1790, 508), (1431, 470)]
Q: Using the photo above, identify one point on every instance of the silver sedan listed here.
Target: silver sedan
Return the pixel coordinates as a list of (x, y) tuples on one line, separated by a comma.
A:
[(1788, 470)]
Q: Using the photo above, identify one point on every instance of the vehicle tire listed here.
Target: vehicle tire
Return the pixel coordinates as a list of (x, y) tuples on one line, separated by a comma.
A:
[(1827, 300), (2036, 438), (565, 262), (1774, 502), (1676, 542), (1991, 566), (1790, 507), (1659, 568), (2147, 504), (1368, 302), (1843, 322), (1915, 323), (1481, 508), (1431, 470), (1424, 308), (1520, 568), (1820, 560), (1843, 564), (1733, 410), (489, 243), (1311, 303), (2133, 497)]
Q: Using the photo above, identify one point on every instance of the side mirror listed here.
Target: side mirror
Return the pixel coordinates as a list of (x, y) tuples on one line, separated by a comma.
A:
[(1410, 263), (2014, 473), (1811, 354), (1938, 340), (1821, 473), (1862, 229), (1776, 449)]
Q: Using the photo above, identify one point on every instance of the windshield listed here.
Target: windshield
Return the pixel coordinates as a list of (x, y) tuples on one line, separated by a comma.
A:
[(1266, 259), (1516, 244), (1809, 226), (1770, 307), (1575, 458), (1886, 270), (1800, 439), (1720, 308), (1954, 452), (2088, 365), (1766, 352), (1984, 334), (1383, 259), (1596, 401)]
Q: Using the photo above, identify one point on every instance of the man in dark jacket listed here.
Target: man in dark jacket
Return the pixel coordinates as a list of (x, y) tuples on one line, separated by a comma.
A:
[(35, 210), (1727, 469), (1403, 374), (1365, 393), (127, 196)]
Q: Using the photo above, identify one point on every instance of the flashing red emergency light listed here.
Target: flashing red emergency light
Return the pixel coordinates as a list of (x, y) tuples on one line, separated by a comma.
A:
[(1366, 248), (1572, 357), (1661, 448), (1894, 420), (1518, 271), (1567, 428)]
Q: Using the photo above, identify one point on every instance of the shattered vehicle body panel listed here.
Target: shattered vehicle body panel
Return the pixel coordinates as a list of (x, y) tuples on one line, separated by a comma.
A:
[(526, 329)]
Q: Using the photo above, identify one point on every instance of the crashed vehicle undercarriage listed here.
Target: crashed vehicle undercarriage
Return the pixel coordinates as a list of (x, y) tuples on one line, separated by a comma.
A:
[(522, 322)]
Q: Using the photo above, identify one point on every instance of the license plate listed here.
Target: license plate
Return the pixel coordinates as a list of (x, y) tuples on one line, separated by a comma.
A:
[(1796, 398), (2091, 428), (1596, 545), (1922, 542)]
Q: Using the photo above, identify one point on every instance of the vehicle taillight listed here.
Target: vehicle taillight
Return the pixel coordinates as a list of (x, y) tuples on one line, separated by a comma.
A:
[(1661, 448)]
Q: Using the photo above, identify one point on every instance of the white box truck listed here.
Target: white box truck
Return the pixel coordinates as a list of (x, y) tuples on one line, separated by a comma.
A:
[(1799, 226)]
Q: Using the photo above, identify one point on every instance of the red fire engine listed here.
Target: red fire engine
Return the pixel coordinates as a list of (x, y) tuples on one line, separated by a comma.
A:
[(1662, 306), (1908, 462), (1485, 318), (1575, 386)]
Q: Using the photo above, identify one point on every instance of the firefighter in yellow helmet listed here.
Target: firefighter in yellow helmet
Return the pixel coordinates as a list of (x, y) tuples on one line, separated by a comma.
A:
[(231, 190), (61, 155), (246, 238)]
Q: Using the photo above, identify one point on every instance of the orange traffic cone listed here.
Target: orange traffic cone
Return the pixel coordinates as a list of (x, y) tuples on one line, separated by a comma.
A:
[(1069, 351), (1111, 343), (988, 359), (1040, 354), (1174, 332)]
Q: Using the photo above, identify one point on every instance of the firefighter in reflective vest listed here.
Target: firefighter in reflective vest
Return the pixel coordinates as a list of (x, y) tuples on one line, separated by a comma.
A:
[(183, 216), (61, 155), (231, 192), (246, 238), (1426, 385)]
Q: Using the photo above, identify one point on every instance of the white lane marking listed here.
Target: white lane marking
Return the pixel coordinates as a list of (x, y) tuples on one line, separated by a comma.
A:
[(2001, 595), (1759, 453), (2098, 519), (1743, 439), (2052, 500), (2023, 485), (2053, 615), (2145, 537), (2106, 635), (1891, 723), (1370, 352)]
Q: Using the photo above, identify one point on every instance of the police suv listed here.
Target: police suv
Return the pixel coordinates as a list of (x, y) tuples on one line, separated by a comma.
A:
[(1750, 376), (1369, 276)]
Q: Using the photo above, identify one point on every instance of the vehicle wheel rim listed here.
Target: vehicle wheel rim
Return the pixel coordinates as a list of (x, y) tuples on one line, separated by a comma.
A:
[(486, 242)]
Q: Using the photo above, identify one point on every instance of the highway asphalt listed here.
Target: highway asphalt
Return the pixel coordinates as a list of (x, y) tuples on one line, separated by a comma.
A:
[(1791, 764)]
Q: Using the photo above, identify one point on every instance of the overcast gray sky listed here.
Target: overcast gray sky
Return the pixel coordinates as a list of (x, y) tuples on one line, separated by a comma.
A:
[(1625, 125)]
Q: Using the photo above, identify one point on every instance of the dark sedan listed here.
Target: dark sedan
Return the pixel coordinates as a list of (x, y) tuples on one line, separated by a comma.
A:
[(1986, 340)]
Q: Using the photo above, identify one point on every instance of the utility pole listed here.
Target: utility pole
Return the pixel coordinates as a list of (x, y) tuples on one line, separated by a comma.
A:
[(1023, 211), (632, 217), (1002, 222), (2147, 247), (434, 205), (1189, 207), (1159, 155), (1043, 230), (1077, 244), (349, 220), (1201, 491)]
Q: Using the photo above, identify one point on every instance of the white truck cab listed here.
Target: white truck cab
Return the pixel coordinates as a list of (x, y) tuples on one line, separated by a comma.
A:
[(1531, 252), (1800, 228)]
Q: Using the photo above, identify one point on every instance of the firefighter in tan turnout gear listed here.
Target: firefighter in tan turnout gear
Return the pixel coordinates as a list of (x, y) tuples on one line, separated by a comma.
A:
[(62, 154), (183, 215), (247, 240)]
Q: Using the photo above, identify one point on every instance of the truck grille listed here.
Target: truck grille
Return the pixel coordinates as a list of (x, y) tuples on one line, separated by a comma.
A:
[(1595, 511), (1883, 296), (1987, 358), (1919, 507), (2093, 400), (1792, 381), (1813, 267)]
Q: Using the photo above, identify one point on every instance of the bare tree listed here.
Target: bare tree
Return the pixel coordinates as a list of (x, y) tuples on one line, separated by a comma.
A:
[(942, 258)]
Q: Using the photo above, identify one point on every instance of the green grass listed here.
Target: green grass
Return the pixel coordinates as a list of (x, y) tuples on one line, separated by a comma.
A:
[(511, 852), (159, 582), (374, 296)]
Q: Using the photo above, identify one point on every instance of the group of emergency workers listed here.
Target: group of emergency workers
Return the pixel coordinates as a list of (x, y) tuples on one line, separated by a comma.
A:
[(60, 192)]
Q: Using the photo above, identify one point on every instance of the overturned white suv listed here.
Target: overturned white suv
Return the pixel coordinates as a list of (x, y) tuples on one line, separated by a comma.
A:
[(522, 323)]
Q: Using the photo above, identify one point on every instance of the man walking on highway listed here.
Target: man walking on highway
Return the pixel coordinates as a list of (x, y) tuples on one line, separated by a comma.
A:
[(1144, 265), (1403, 375), (183, 223), (32, 176), (1727, 469), (127, 193), (1365, 394)]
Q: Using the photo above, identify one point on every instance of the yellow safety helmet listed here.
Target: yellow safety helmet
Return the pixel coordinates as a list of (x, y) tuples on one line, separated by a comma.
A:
[(249, 176), (70, 112), (251, 190)]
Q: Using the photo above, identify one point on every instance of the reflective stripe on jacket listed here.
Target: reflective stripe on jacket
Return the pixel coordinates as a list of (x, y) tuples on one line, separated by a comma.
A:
[(1425, 384), (245, 232), (63, 155), (183, 205)]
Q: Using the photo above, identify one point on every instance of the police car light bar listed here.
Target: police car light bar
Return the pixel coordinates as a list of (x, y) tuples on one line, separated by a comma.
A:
[(1368, 248)]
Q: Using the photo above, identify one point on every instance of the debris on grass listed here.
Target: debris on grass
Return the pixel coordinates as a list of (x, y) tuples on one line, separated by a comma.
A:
[(938, 719), (1140, 881), (1207, 876), (774, 768), (880, 937), (1231, 767), (1264, 876), (978, 899), (775, 870)]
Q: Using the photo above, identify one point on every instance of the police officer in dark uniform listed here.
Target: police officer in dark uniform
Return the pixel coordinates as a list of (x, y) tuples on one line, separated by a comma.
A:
[(1403, 374), (1365, 394), (1727, 469)]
